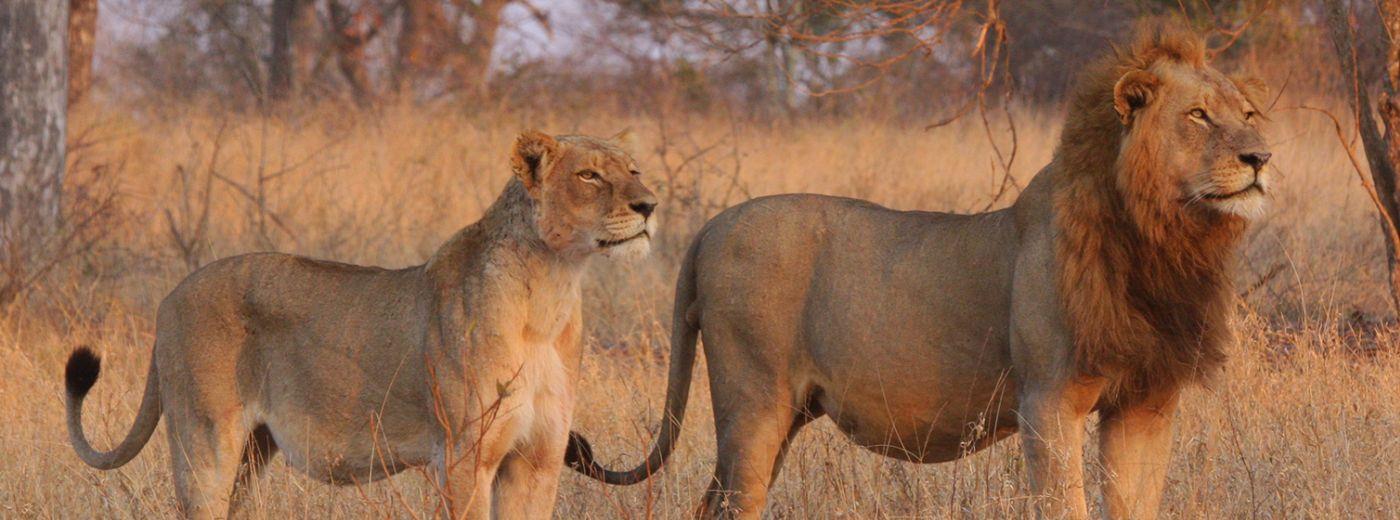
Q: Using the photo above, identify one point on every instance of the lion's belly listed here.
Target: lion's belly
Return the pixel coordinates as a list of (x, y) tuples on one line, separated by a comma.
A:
[(913, 385), (935, 431), (347, 442), (915, 392), (348, 439)]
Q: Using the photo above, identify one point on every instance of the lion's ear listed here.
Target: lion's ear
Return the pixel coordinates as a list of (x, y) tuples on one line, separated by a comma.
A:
[(1254, 89), (1133, 92), (528, 156), (626, 140)]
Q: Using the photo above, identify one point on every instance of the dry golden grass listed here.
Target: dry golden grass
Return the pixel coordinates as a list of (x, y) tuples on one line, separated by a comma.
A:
[(1302, 424)]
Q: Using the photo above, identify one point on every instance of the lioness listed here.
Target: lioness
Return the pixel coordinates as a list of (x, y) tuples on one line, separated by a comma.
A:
[(465, 363), (928, 336)]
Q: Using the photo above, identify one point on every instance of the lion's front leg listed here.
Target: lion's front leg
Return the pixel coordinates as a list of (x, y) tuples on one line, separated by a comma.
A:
[(1135, 444), (476, 434), (1054, 400), (1052, 436), (466, 472), (529, 480), (529, 477)]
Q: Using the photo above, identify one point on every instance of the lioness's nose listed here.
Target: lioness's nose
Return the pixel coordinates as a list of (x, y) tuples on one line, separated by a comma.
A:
[(1256, 159), (643, 207)]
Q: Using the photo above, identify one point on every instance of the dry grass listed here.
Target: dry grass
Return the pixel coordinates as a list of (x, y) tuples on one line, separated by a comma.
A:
[(1302, 424)]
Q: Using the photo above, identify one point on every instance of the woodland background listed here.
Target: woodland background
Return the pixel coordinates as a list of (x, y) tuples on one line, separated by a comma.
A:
[(368, 131)]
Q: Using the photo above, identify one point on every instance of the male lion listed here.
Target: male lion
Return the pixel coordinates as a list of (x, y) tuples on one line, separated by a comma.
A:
[(465, 363), (928, 336)]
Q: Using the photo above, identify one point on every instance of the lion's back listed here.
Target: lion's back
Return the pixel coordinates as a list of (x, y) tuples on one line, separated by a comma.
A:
[(795, 233), (270, 293)]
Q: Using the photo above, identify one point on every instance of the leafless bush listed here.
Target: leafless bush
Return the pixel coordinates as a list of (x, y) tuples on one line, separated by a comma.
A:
[(32, 248), (188, 224)]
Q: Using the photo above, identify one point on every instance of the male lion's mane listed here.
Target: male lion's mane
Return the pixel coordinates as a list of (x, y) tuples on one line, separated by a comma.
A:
[(1144, 283)]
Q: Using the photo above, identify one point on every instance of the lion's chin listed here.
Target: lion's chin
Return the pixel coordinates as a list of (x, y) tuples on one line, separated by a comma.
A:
[(1249, 206), (628, 251)]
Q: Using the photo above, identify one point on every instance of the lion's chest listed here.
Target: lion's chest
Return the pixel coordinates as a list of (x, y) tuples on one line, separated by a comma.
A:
[(540, 301), (537, 390), (545, 318)]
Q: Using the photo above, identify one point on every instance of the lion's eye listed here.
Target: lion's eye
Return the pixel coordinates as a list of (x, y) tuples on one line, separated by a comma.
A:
[(1250, 115), (1198, 114), (636, 173), (588, 175)]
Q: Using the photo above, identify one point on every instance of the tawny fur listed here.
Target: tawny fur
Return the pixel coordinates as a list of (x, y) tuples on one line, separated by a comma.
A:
[(929, 336), (465, 364)]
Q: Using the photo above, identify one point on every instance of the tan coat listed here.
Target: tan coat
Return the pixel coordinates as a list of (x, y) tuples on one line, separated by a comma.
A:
[(465, 364)]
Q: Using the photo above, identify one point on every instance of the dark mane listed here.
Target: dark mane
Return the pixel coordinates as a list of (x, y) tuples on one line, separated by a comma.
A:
[(1145, 285)]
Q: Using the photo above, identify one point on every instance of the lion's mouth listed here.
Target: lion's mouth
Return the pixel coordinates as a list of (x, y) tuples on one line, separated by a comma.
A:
[(1248, 190), (610, 243)]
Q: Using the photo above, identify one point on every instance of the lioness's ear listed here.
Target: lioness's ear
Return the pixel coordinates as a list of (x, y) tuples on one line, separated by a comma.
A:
[(1254, 89), (528, 156), (626, 140), (1133, 92)]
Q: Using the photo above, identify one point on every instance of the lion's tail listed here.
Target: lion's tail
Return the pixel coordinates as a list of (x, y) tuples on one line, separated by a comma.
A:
[(78, 376), (685, 328)]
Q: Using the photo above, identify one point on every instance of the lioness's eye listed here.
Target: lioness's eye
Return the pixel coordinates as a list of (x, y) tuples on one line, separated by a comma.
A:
[(1198, 114), (636, 173), (588, 175), (1250, 115)]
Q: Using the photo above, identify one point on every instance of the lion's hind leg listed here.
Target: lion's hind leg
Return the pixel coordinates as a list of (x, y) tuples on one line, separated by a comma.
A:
[(755, 423), (257, 454), (811, 412), (205, 454), (750, 442)]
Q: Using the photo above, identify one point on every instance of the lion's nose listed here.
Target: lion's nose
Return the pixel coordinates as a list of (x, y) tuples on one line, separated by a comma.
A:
[(1257, 160), (643, 207)]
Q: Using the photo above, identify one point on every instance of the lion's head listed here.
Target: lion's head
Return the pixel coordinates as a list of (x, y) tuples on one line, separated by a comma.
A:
[(588, 194), (1192, 129)]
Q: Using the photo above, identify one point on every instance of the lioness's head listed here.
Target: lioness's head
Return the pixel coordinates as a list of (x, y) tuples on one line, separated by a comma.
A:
[(1191, 129), (588, 194)]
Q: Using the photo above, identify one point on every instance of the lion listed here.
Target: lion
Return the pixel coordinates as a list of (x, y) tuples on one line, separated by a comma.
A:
[(929, 336), (464, 364)]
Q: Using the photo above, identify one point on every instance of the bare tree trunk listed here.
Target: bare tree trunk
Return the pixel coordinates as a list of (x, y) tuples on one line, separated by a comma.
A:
[(306, 41), (82, 39), (33, 119), (474, 63), (279, 62), (351, 32), (293, 25), (33, 99), (1382, 147), (1389, 105), (431, 43), (421, 34)]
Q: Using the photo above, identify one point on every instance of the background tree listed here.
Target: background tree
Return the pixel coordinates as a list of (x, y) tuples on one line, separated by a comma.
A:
[(33, 111), (809, 48), (448, 43), (352, 29), (82, 38), (292, 26), (772, 57), (1365, 38)]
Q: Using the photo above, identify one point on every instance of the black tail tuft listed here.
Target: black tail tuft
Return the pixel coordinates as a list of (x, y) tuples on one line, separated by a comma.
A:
[(579, 455), (81, 373)]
